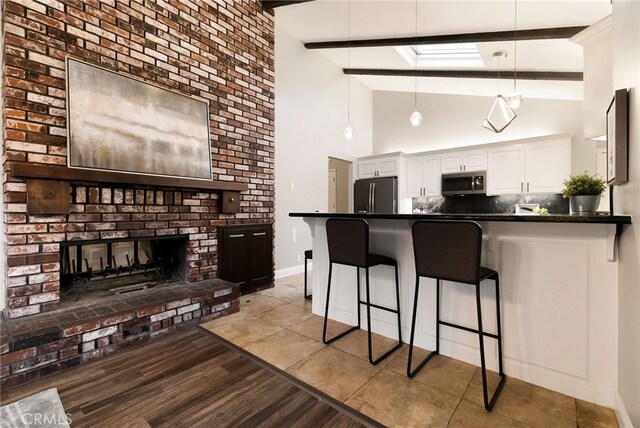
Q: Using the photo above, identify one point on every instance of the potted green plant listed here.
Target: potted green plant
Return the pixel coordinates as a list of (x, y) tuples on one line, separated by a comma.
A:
[(584, 192)]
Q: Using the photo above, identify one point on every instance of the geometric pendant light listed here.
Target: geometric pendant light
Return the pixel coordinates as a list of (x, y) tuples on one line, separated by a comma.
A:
[(500, 115)]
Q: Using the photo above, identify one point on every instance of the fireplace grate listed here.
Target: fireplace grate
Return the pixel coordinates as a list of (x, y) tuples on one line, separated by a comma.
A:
[(119, 266)]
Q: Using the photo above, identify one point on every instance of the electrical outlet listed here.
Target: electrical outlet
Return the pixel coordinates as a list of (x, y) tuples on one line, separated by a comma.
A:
[(299, 257), (294, 236)]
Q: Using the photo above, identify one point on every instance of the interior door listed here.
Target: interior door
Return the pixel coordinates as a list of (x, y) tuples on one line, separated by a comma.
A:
[(333, 200)]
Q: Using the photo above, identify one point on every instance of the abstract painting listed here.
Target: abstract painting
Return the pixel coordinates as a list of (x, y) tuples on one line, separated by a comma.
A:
[(118, 123)]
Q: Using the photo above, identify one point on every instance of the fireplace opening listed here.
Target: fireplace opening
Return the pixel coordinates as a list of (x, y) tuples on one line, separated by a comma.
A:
[(93, 270)]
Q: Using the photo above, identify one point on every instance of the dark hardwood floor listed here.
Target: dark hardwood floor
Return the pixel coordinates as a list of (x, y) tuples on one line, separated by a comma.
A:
[(189, 379)]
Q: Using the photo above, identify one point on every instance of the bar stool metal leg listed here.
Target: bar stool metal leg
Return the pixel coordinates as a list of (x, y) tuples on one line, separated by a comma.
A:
[(488, 404), (326, 311), (412, 373), (368, 303), (306, 296)]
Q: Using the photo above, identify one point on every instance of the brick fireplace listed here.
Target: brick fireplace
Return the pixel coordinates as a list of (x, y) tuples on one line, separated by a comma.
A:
[(221, 51)]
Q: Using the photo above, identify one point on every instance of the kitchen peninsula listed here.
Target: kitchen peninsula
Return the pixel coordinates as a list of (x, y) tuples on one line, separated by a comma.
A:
[(558, 277)]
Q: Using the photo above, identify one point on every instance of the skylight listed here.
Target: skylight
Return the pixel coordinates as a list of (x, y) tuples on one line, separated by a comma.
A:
[(442, 55)]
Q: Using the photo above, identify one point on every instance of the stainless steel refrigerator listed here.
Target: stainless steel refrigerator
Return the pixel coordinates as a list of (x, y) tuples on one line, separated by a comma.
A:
[(376, 195)]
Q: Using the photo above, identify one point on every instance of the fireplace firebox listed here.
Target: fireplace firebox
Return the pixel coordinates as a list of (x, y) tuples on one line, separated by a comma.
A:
[(91, 270)]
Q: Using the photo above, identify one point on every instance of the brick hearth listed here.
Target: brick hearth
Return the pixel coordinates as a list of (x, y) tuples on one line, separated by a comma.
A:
[(35, 346)]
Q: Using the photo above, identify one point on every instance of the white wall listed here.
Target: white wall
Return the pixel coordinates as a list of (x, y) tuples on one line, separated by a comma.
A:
[(311, 114), (451, 121), (626, 74)]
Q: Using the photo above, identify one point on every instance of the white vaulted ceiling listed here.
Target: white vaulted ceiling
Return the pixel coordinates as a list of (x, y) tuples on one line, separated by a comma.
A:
[(326, 20)]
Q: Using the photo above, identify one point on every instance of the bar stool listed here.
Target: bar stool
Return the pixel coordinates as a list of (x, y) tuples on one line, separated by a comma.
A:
[(450, 251), (348, 242), (308, 255)]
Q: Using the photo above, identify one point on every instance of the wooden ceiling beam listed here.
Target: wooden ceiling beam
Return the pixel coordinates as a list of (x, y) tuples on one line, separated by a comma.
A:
[(495, 36), (469, 74), (272, 4)]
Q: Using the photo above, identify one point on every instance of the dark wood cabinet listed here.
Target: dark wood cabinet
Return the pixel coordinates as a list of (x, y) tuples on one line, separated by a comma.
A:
[(245, 255)]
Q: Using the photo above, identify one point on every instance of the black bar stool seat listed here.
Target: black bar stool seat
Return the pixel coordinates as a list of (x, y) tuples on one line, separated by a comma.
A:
[(308, 255), (348, 242), (378, 259), (450, 251)]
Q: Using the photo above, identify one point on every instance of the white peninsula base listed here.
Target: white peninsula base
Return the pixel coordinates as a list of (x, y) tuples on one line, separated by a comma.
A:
[(558, 292)]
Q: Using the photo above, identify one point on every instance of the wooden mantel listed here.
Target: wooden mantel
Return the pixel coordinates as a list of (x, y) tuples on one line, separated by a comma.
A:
[(55, 172)]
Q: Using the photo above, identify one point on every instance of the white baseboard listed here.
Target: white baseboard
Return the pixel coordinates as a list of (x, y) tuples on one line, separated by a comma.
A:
[(294, 270), (621, 412)]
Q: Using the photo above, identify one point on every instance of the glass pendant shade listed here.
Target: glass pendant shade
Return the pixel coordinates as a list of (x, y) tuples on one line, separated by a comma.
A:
[(415, 118), (500, 115), (515, 100), (348, 133)]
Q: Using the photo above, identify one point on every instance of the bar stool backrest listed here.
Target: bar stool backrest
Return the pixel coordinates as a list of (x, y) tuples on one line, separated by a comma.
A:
[(348, 241), (448, 250)]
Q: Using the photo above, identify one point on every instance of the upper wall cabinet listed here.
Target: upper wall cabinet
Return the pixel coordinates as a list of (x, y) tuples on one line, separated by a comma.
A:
[(423, 176), (371, 167), (597, 44), (468, 160), (537, 167)]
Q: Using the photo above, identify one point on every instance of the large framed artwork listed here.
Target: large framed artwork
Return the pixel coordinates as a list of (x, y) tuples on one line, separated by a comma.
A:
[(617, 139), (118, 123)]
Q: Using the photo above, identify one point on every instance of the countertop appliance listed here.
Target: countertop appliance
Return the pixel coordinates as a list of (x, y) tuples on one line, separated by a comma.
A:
[(376, 195), (464, 183)]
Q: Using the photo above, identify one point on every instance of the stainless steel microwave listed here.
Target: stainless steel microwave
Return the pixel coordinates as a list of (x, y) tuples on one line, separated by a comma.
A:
[(464, 183)]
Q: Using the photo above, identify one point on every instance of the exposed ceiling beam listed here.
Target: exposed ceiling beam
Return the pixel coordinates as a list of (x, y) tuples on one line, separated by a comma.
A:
[(495, 36), (470, 74), (272, 4)]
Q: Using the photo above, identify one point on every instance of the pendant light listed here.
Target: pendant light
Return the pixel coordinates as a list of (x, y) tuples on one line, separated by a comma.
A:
[(516, 98), (348, 131), (500, 115), (416, 118)]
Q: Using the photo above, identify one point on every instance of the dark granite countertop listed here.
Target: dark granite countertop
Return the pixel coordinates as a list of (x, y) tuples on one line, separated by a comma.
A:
[(526, 218)]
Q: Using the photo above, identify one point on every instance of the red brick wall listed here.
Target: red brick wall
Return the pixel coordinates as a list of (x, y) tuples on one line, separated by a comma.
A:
[(219, 50)]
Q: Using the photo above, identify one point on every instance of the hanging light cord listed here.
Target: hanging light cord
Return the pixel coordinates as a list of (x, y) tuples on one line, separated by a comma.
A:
[(349, 62), (415, 70), (515, 44)]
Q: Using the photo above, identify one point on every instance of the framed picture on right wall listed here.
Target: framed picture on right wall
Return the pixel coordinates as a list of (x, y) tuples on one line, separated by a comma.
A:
[(617, 139)]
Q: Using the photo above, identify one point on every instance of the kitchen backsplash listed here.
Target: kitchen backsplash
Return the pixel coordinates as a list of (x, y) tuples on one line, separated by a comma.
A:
[(489, 204)]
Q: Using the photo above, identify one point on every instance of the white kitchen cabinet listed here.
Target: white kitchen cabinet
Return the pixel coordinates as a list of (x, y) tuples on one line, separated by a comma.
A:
[(537, 167), (547, 165), (423, 176), (378, 167), (468, 160)]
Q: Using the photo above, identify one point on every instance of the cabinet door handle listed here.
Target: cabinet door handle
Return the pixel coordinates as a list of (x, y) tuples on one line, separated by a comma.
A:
[(527, 186), (260, 234), (465, 168), (522, 187), (236, 236)]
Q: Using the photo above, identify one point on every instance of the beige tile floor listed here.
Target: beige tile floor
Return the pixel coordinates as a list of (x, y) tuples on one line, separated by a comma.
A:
[(277, 326)]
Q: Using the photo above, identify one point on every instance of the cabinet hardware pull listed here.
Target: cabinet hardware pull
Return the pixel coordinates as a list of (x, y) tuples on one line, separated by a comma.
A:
[(527, 187), (260, 234), (236, 236), (522, 187)]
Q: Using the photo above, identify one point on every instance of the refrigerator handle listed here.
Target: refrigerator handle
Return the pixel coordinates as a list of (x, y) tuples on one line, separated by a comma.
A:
[(373, 198)]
